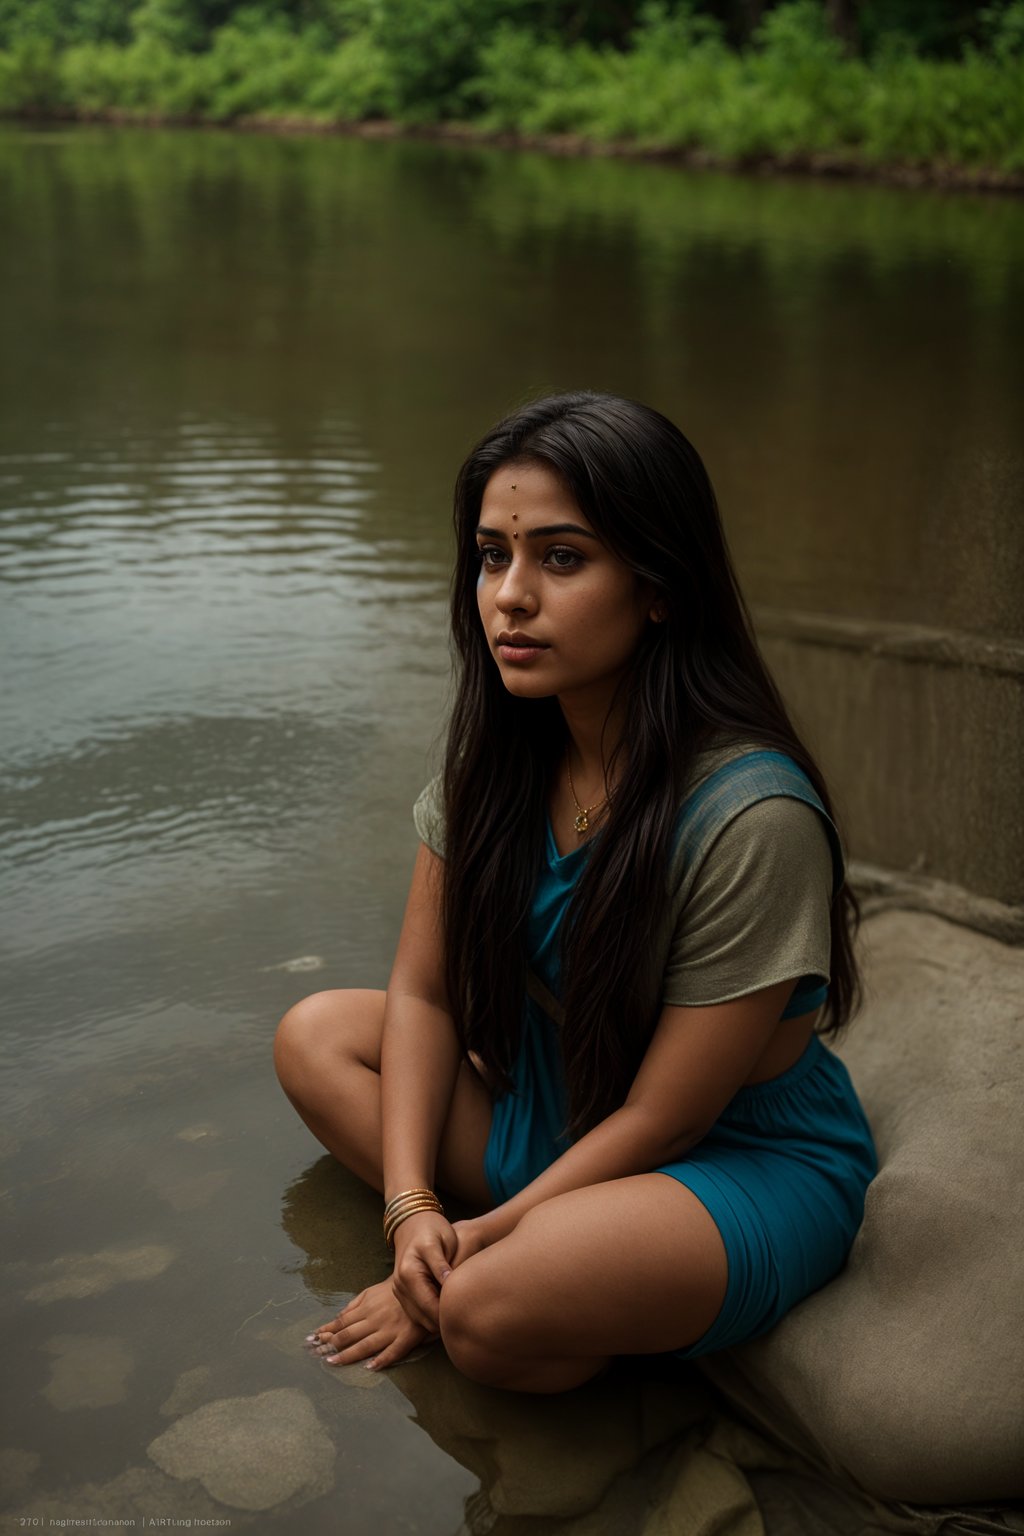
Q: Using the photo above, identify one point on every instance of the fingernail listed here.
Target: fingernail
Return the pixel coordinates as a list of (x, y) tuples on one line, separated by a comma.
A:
[(445, 1273), (371, 1365), (312, 1338)]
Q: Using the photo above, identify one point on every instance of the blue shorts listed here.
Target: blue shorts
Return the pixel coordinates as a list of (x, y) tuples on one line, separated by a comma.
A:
[(783, 1173)]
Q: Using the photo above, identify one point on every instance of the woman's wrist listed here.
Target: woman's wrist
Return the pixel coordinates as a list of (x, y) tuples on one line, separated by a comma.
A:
[(492, 1225), (413, 1224), (406, 1204)]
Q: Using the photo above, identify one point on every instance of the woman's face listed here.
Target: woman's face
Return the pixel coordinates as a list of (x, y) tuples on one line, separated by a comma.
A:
[(545, 575)]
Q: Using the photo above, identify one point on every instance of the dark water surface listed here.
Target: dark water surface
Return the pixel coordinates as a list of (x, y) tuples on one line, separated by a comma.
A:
[(237, 376)]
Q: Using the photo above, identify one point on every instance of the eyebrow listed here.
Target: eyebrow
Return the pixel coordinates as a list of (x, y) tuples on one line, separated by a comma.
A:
[(536, 533)]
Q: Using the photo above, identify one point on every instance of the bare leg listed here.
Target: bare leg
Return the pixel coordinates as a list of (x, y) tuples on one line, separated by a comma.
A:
[(632, 1266), (327, 1056)]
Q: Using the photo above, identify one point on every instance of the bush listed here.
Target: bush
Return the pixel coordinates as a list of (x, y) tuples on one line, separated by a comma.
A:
[(353, 83), (676, 84), (31, 78), (527, 84), (147, 79), (263, 70), (928, 111)]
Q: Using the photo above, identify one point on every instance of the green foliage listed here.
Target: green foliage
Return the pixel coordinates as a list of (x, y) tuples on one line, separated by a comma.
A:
[(147, 79), (937, 111), (529, 85), (353, 84), (501, 65), (442, 32), (432, 48), (31, 79), (1002, 28), (255, 69), (174, 23), (805, 95)]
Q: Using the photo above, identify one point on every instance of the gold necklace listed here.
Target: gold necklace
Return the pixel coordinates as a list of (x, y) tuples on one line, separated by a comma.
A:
[(581, 823)]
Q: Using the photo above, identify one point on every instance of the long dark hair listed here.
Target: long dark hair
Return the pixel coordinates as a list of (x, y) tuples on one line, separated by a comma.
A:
[(696, 679)]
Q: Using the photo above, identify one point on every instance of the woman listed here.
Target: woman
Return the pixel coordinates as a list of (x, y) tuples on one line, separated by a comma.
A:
[(626, 923)]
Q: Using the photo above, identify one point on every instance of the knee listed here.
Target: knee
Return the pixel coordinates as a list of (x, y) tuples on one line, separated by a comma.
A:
[(475, 1323), (299, 1037)]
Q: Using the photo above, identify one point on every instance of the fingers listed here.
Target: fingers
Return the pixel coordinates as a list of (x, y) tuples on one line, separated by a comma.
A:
[(390, 1354), (373, 1328), (359, 1349), (419, 1299), (341, 1342), (342, 1320), (438, 1261), (378, 1348), (420, 1271)]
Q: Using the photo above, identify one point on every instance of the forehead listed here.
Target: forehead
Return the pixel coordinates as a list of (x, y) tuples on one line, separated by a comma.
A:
[(530, 490)]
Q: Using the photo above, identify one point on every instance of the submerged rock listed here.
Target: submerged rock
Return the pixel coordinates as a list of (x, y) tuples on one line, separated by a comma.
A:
[(89, 1371), (76, 1275), (189, 1192), (188, 1391), (251, 1452)]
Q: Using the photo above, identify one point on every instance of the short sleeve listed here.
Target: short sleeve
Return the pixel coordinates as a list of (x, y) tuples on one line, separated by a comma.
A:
[(428, 815), (758, 910)]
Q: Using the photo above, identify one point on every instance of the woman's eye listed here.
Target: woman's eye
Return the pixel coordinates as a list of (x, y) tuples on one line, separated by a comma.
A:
[(565, 559)]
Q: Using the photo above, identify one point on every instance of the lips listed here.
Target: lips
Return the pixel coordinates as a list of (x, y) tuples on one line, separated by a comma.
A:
[(517, 638)]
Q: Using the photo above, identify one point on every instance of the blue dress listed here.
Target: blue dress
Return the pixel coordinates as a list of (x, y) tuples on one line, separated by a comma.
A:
[(783, 1171)]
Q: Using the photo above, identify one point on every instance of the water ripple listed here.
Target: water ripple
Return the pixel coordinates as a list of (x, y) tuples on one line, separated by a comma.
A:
[(195, 496)]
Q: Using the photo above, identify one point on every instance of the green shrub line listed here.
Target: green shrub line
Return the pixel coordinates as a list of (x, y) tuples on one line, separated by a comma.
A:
[(794, 97)]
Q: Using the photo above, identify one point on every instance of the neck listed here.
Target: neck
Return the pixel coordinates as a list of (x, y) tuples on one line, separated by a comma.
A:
[(593, 735)]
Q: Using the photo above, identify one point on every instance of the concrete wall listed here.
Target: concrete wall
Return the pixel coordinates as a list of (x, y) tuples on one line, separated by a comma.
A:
[(921, 734)]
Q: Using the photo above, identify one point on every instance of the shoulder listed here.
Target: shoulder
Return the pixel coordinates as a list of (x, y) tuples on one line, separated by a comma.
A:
[(766, 804), (769, 844), (428, 814), (753, 905)]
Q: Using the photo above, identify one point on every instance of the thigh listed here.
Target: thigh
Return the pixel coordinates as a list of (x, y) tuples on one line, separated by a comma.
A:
[(632, 1266)]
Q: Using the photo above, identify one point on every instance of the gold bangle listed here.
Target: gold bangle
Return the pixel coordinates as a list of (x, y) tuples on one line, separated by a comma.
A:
[(409, 1203), (424, 1203), (389, 1236), (397, 1199)]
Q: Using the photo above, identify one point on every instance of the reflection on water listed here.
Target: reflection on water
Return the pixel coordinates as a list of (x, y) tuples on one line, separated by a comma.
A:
[(237, 378)]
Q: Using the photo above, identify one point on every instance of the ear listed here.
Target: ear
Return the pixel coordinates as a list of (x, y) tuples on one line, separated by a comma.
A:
[(659, 613)]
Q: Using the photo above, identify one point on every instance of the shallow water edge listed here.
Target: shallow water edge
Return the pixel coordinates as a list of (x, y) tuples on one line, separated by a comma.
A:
[(574, 145)]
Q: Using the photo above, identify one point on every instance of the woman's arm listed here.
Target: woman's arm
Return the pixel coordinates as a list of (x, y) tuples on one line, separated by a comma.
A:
[(419, 1065), (697, 1059)]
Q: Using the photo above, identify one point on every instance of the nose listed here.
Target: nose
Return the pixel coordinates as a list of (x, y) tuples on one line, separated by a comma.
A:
[(513, 594)]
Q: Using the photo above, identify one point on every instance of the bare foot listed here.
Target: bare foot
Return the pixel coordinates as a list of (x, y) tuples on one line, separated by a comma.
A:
[(373, 1327)]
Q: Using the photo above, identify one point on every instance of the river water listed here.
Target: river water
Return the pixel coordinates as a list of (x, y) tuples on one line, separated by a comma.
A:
[(237, 377)]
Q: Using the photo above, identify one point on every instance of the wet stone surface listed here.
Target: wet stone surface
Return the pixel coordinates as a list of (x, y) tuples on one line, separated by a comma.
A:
[(88, 1371), (251, 1452), (77, 1275)]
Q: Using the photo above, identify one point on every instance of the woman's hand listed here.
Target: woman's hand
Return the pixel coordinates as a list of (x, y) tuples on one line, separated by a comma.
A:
[(471, 1237), (373, 1327), (424, 1253)]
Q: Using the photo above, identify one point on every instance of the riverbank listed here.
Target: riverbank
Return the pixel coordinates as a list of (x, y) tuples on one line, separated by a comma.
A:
[(943, 176), (794, 103)]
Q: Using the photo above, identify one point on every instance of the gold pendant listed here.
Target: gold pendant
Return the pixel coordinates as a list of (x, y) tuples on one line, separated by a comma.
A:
[(581, 822)]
